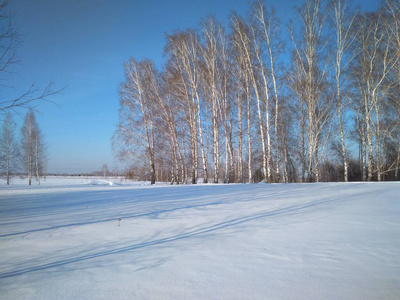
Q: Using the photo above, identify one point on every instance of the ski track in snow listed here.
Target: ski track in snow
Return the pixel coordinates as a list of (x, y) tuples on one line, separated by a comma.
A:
[(240, 241)]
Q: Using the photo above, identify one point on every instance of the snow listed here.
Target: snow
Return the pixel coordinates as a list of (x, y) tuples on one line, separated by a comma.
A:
[(61, 240)]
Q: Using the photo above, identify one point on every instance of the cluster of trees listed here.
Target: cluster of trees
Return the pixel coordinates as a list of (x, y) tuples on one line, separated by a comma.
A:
[(28, 155), (245, 104)]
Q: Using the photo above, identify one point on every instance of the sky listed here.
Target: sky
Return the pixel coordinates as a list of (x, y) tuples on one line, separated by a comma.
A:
[(81, 46)]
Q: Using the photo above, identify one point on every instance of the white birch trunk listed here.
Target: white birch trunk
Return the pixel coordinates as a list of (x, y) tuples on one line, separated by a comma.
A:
[(37, 159), (344, 40), (265, 145), (396, 176), (226, 179), (8, 141), (240, 141), (268, 33), (203, 154), (249, 140), (30, 152), (370, 145), (215, 142), (363, 149)]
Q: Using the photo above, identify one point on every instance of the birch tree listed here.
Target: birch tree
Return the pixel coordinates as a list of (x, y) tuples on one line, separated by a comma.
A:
[(243, 96), (33, 148), (268, 28), (8, 148), (178, 117), (393, 10), (241, 45), (374, 62), (39, 153), (210, 58), (259, 75), (227, 105), (343, 23), (238, 79), (216, 91), (185, 88), (169, 111), (245, 39), (309, 83), (190, 57), (27, 145), (136, 128)]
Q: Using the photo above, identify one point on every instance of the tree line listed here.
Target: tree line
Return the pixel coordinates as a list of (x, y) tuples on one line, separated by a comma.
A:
[(255, 101), (29, 155)]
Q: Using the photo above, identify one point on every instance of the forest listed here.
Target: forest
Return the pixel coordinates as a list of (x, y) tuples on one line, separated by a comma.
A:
[(316, 100)]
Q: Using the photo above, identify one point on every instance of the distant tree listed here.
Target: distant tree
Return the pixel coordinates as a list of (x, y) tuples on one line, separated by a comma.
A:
[(8, 147), (40, 154), (105, 171), (33, 149), (27, 145)]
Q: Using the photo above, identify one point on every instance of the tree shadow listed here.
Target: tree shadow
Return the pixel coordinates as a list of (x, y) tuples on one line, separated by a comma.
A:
[(190, 233)]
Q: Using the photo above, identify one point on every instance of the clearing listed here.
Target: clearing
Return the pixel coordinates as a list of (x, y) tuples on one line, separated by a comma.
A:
[(63, 240)]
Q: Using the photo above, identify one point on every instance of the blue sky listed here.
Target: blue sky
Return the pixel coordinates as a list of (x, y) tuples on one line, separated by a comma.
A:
[(82, 44)]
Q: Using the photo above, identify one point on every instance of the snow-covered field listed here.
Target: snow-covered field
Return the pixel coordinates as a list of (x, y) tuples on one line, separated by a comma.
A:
[(296, 241)]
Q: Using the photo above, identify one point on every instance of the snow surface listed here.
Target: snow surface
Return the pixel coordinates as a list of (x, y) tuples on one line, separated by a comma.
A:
[(61, 240)]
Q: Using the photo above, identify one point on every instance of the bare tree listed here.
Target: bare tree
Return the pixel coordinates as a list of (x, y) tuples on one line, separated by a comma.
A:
[(136, 127), (309, 83), (239, 104), (343, 23), (105, 171), (184, 48), (243, 96), (210, 58), (169, 113), (220, 98), (40, 153), (218, 68), (259, 75), (27, 144), (33, 148), (393, 10), (268, 26), (227, 106), (374, 63), (8, 147), (10, 42), (244, 59), (245, 39), (179, 88)]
